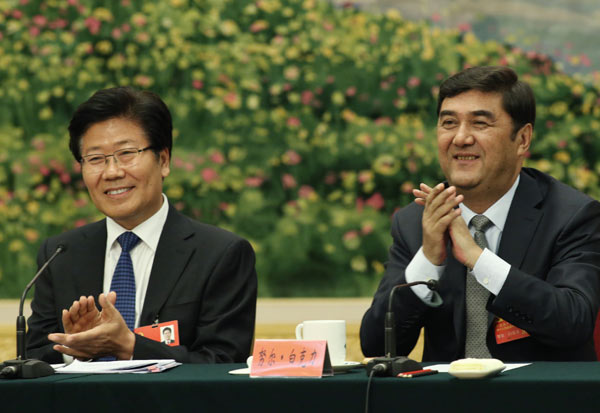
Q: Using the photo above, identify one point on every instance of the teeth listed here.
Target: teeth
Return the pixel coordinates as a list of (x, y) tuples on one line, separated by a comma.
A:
[(465, 158), (117, 191)]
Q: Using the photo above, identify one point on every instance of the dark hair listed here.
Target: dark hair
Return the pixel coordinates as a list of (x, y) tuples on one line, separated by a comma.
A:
[(517, 97), (167, 328), (142, 107)]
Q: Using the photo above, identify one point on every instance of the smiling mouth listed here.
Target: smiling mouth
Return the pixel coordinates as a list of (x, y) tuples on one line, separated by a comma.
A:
[(117, 191), (466, 157)]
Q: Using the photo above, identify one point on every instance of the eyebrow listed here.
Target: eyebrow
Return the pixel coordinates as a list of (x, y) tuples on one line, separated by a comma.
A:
[(123, 142), (475, 113)]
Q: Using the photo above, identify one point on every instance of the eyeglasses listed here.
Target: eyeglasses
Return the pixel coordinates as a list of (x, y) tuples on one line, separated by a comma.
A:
[(96, 162)]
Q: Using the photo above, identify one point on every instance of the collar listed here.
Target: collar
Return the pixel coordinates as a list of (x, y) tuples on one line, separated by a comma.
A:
[(498, 212), (149, 231)]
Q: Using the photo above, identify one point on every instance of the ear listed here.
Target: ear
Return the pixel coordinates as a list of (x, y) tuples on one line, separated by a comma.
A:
[(523, 138), (164, 160)]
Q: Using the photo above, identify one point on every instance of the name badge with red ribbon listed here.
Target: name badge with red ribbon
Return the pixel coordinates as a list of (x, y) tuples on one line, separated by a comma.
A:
[(167, 332), (506, 332)]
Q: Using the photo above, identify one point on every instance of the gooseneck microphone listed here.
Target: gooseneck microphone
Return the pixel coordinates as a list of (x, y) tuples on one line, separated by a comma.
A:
[(391, 365), (21, 367)]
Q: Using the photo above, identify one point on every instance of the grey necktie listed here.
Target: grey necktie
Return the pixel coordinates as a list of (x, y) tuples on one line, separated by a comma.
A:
[(476, 300)]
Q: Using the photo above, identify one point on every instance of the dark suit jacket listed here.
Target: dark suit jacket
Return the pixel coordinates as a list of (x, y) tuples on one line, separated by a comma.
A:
[(551, 239), (202, 276)]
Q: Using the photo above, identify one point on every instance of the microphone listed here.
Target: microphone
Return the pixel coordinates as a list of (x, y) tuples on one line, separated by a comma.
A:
[(391, 365), (21, 367)]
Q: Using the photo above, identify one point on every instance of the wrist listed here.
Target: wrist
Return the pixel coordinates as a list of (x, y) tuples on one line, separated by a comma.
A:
[(473, 257), (128, 344)]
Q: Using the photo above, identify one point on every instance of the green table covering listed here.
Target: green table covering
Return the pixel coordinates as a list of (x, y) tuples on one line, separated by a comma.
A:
[(539, 387)]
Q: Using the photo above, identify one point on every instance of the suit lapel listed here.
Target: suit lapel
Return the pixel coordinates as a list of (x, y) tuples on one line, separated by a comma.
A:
[(521, 222), (88, 259), (172, 255)]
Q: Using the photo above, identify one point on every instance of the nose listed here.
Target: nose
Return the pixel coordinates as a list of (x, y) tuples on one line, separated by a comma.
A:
[(464, 136), (112, 169)]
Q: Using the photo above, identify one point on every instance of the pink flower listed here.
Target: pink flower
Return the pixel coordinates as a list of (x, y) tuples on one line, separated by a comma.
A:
[(306, 97), (258, 26), (126, 27), (330, 79), (366, 229), (189, 166), (178, 162), (414, 82), (330, 178), (80, 222), (116, 33), (350, 235), (34, 31), (291, 157), (351, 91), (464, 27), (376, 201), (209, 175), (385, 120), (217, 157), (44, 170), (436, 17), (197, 84), (549, 124), (223, 206), (401, 91), (42, 189), (562, 143), (79, 203), (17, 14), (288, 181), (65, 178), (293, 122), (39, 20), (254, 181), (139, 20), (503, 61), (93, 25), (305, 191), (585, 60), (328, 26), (57, 24)]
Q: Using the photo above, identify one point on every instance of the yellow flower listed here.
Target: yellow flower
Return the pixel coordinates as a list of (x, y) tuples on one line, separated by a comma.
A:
[(358, 263), (229, 28), (386, 165), (175, 192), (104, 47), (103, 14), (329, 248), (45, 113), (559, 109), (563, 157), (378, 267), (338, 98), (16, 245), (33, 207)]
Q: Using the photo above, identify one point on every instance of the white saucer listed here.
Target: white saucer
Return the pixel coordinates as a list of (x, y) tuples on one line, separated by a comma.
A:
[(345, 366)]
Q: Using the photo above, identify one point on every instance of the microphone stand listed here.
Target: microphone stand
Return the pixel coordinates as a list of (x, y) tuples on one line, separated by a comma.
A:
[(21, 367), (391, 365)]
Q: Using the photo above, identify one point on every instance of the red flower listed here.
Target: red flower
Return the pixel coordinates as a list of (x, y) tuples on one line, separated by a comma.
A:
[(210, 175), (288, 181), (376, 201)]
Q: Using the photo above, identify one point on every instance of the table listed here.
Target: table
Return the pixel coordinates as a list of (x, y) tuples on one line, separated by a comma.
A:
[(539, 387)]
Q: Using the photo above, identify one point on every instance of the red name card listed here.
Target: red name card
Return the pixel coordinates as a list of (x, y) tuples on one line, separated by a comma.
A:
[(506, 332), (290, 358)]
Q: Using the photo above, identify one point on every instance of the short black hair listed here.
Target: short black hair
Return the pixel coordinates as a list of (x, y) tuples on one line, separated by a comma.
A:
[(167, 329), (140, 106), (517, 97)]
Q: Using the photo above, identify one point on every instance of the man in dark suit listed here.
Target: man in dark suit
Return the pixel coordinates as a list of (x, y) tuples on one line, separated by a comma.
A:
[(515, 252), (176, 269)]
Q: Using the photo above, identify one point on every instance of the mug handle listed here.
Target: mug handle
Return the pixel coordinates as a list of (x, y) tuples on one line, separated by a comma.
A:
[(299, 331)]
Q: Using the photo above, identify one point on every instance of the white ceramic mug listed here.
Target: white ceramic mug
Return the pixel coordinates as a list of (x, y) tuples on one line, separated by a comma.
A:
[(334, 331)]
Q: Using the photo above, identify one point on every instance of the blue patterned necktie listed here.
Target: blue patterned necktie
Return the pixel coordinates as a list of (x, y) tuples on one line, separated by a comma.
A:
[(123, 281)]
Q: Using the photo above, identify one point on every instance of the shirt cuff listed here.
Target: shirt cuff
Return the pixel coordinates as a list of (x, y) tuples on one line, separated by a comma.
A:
[(421, 269), (491, 271)]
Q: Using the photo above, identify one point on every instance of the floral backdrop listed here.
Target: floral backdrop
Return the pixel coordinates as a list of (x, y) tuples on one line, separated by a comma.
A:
[(299, 125)]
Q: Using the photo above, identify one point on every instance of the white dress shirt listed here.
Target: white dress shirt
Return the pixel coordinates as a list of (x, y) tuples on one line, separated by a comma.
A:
[(490, 270), (142, 255)]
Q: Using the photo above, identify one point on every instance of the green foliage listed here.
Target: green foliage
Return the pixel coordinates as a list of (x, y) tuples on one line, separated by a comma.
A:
[(298, 125)]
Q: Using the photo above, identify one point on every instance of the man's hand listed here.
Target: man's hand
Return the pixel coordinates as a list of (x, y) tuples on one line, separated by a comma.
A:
[(81, 316), (464, 248), (109, 336), (440, 210)]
